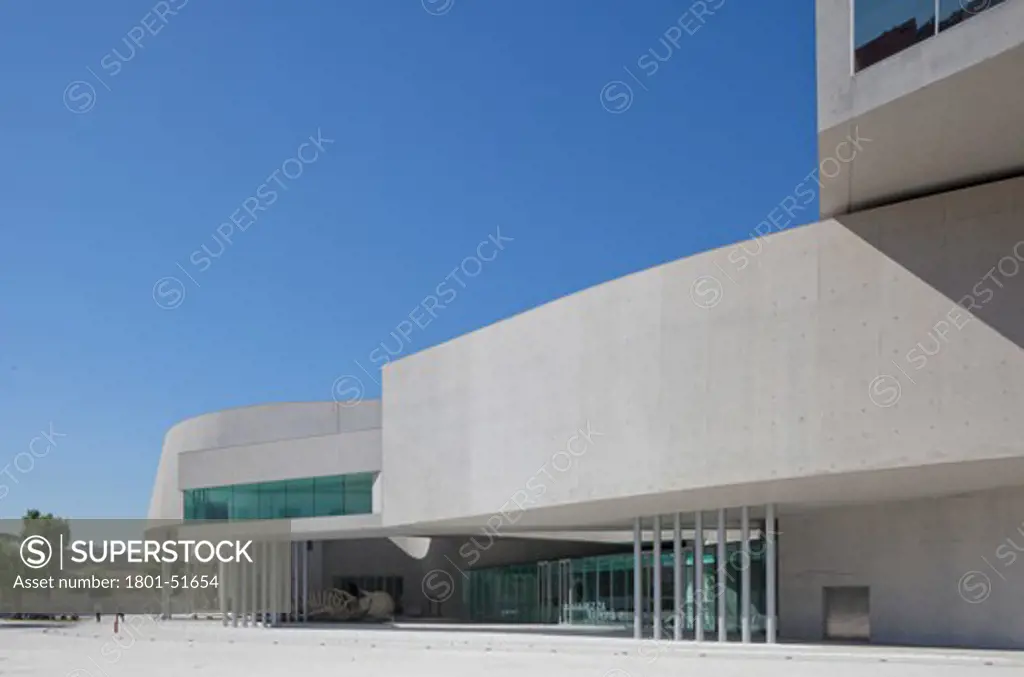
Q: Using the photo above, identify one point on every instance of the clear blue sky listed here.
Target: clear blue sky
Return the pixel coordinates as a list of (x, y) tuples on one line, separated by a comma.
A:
[(445, 126)]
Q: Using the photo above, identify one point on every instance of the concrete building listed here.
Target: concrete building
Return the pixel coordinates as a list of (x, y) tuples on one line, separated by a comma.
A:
[(813, 434)]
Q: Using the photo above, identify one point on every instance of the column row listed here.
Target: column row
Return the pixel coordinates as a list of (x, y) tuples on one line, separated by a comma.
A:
[(712, 592), (270, 590)]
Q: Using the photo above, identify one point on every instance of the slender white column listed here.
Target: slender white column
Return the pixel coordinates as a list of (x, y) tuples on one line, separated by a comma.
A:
[(657, 576), (745, 574), (638, 579), (236, 592), (254, 585), (722, 586), (244, 590), (165, 590), (222, 592), (294, 574), (305, 581), (265, 565), (271, 583), (286, 581), (281, 584), (771, 562), (289, 581), (698, 576), (677, 577)]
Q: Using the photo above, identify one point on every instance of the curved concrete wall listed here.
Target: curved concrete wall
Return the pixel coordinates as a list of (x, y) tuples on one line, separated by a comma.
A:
[(264, 443), (740, 374)]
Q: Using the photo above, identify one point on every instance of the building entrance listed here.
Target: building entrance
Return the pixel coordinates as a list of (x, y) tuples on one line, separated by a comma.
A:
[(599, 591)]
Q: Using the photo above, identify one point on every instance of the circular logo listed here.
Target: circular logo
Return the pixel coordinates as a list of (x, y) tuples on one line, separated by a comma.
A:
[(706, 291), (975, 6), (79, 97), (616, 97), (974, 587), (438, 585), (36, 552), (884, 391), (169, 293), (347, 390), (437, 7)]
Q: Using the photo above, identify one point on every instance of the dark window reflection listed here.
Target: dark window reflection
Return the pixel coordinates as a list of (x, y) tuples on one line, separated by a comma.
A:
[(884, 27), (952, 12)]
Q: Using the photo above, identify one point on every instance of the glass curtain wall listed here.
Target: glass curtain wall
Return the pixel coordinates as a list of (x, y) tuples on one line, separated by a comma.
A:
[(308, 497), (599, 590)]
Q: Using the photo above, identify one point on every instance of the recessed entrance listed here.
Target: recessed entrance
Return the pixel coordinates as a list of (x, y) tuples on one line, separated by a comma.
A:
[(848, 614)]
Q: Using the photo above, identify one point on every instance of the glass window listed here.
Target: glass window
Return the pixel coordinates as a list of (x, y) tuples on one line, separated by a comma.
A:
[(217, 504), (882, 28), (273, 500), (189, 509), (359, 494), (300, 498), (245, 502), (329, 495), (306, 497), (952, 12)]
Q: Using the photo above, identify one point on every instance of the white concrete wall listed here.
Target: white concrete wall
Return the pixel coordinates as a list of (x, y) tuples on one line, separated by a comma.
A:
[(928, 563), (264, 443), (767, 386), (334, 454)]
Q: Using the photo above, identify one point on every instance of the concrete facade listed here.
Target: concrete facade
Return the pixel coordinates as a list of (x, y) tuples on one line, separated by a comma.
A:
[(941, 571), (689, 412), (859, 378), (942, 114), (264, 443)]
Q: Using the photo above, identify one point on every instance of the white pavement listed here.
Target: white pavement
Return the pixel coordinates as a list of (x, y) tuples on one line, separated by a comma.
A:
[(164, 649)]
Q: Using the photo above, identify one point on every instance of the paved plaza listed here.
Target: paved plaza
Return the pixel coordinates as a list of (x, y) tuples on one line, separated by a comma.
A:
[(157, 649)]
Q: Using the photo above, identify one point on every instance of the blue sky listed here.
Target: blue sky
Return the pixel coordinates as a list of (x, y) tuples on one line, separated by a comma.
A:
[(445, 126)]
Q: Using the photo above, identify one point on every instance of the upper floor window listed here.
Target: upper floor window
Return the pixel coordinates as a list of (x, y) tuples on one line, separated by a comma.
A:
[(283, 499), (882, 28)]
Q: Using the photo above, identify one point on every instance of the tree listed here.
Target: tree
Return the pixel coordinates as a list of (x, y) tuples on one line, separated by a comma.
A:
[(55, 530), (52, 528)]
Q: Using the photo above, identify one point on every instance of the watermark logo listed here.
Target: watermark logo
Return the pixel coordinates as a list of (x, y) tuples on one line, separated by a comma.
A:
[(438, 586), (885, 391), (975, 587), (36, 552), (617, 96), (80, 95), (437, 7), (347, 390), (169, 291), (706, 291), (975, 6)]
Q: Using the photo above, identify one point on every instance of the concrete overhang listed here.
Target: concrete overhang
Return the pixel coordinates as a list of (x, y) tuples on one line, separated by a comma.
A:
[(958, 131)]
